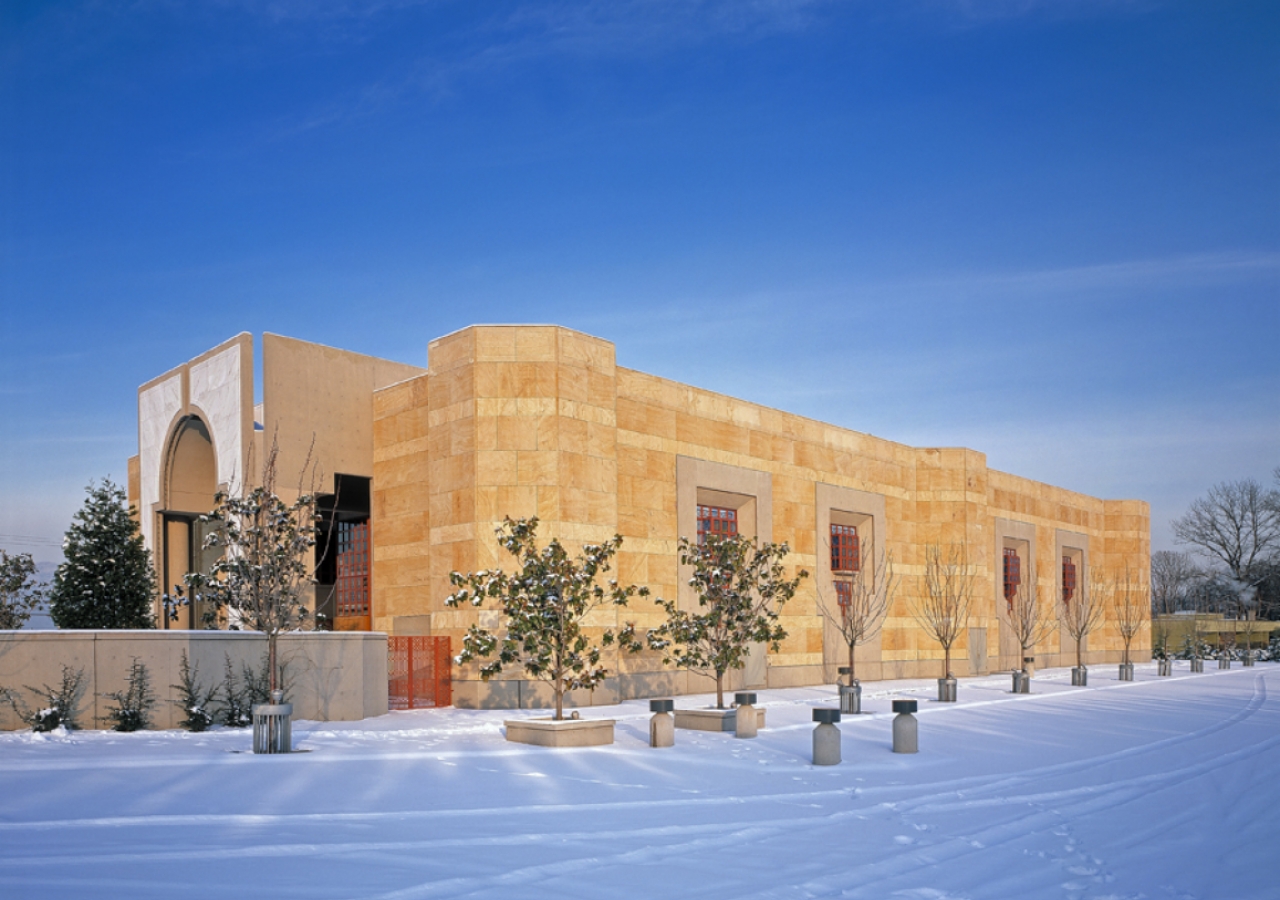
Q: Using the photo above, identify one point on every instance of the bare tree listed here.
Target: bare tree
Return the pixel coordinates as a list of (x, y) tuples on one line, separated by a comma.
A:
[(1082, 614), (866, 598), (1131, 609), (1237, 524), (943, 608), (1030, 619), (1173, 575), (267, 566)]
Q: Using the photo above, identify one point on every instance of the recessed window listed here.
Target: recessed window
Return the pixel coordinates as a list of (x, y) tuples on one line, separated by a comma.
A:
[(353, 568), (1068, 579), (1012, 574), (717, 521), (845, 557)]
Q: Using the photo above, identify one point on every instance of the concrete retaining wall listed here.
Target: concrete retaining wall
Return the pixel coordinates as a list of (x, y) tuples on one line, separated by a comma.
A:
[(332, 676)]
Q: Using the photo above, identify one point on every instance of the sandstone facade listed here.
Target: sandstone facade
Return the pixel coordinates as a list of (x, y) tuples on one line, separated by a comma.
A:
[(540, 420)]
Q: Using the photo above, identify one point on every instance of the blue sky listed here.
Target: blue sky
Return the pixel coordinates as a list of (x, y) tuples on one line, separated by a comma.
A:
[(1048, 231)]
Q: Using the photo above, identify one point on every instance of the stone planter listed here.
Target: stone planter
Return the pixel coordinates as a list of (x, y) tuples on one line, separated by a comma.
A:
[(1197, 665), (851, 699), (562, 733), (1079, 676), (1165, 667), (1126, 671), (713, 719), (946, 690)]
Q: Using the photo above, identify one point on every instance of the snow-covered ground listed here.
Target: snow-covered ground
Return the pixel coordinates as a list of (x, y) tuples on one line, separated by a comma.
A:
[(1162, 788)]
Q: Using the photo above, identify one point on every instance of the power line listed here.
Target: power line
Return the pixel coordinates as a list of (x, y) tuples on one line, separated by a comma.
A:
[(30, 539)]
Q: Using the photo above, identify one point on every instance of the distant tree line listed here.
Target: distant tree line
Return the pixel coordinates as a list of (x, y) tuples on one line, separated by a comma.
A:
[(1233, 562)]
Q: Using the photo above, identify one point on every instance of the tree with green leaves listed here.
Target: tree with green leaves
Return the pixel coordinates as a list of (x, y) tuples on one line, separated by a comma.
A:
[(264, 575), (106, 579), (20, 593), (545, 602), (741, 589)]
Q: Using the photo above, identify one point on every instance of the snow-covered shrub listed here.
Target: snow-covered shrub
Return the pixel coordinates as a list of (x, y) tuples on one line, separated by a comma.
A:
[(196, 700), (1188, 649), (58, 707), (251, 688), (237, 710), (132, 709)]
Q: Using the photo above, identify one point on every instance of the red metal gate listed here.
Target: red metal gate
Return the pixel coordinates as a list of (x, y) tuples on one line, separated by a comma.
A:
[(418, 672)]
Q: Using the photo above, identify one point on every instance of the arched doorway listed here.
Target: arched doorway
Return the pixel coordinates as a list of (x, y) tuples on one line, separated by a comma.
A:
[(188, 487)]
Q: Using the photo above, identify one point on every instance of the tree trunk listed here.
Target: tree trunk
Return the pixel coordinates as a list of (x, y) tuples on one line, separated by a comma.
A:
[(719, 689), (1080, 653), (946, 660), (271, 661), (852, 674), (559, 686)]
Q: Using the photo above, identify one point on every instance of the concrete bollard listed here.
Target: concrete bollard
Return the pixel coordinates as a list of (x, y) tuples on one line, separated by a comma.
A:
[(826, 737), (744, 720), (905, 730), (662, 727)]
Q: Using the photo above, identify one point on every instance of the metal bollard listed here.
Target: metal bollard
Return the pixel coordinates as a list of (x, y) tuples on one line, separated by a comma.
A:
[(826, 737), (946, 690), (662, 727), (272, 726), (744, 720), (905, 730), (1079, 676)]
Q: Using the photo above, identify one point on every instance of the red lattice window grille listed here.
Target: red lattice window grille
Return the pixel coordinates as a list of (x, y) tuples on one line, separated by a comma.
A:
[(845, 555), (1068, 579), (353, 569), (716, 520), (844, 596), (1012, 574)]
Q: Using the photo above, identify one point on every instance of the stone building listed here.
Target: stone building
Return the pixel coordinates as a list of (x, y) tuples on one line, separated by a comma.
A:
[(419, 465)]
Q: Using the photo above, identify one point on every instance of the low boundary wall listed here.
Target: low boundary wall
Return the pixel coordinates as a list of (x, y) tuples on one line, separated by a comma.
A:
[(332, 676)]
